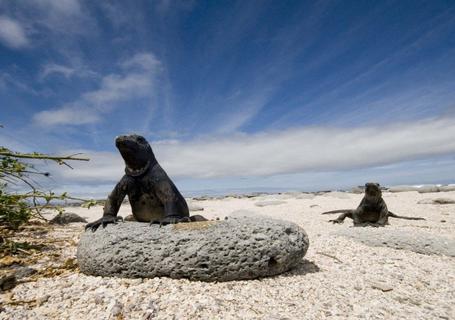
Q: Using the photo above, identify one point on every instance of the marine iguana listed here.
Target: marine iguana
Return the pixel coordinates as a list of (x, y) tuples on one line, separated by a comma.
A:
[(153, 196), (372, 210)]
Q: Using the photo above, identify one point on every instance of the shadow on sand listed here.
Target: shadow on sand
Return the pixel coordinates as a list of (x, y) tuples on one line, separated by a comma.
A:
[(305, 266)]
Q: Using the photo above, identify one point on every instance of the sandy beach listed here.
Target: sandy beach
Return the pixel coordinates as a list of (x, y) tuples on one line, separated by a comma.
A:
[(339, 278)]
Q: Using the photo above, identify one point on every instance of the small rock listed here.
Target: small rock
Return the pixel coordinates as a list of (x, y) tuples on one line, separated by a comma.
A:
[(99, 298), (24, 272), (269, 203), (437, 201), (195, 207), (243, 213), (129, 217), (151, 312), (116, 309), (10, 260), (425, 201), (202, 198), (428, 189), (358, 190), (444, 201), (67, 217), (7, 280), (306, 196), (338, 195), (402, 189), (447, 188), (381, 286), (43, 299)]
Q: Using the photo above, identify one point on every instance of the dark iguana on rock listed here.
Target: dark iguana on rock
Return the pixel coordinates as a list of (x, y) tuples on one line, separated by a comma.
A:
[(153, 196), (372, 210)]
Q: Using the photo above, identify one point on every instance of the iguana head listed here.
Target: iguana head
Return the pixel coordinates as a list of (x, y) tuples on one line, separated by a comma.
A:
[(136, 152), (372, 190)]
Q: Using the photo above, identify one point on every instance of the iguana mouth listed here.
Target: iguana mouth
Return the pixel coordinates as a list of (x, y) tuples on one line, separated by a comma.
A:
[(137, 172)]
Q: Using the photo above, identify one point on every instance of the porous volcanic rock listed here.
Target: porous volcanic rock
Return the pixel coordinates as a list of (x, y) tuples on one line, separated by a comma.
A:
[(233, 249)]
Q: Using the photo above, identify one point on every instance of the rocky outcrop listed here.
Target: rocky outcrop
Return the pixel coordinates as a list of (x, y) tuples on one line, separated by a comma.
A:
[(237, 248)]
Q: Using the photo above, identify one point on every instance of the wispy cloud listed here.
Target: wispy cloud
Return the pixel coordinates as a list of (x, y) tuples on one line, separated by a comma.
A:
[(46, 23), (53, 68), (12, 34), (136, 81), (293, 151), (67, 115), (7, 81), (50, 69), (306, 149)]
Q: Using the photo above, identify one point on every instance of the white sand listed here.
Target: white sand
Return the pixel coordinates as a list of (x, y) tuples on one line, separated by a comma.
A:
[(338, 279)]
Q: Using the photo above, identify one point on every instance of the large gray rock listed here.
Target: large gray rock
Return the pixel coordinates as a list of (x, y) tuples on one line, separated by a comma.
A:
[(420, 242), (238, 248)]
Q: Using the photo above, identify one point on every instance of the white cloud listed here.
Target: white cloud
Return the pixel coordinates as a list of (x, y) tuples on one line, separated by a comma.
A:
[(137, 81), (51, 23), (67, 7), (115, 88), (144, 61), (12, 34), (67, 115), (309, 149), (293, 151), (246, 109), (67, 71), (52, 68)]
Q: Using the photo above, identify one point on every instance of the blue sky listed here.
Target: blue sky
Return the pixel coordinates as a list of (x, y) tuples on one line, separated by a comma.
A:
[(234, 94)]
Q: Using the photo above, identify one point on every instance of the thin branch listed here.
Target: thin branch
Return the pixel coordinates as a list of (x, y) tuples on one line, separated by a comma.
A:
[(41, 156), (330, 256)]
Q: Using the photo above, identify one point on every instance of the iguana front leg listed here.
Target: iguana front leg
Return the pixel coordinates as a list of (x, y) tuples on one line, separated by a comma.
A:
[(112, 206), (172, 217), (383, 215), (357, 216), (167, 197)]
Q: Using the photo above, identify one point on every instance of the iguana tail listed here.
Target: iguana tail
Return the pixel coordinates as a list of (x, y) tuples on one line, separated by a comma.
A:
[(338, 211), (393, 215)]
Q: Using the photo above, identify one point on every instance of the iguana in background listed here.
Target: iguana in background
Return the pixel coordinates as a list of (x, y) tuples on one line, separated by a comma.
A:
[(372, 210)]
